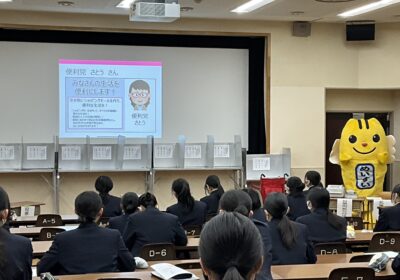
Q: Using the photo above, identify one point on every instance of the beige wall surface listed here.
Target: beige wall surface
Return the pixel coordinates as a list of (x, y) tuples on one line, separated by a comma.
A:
[(301, 70)]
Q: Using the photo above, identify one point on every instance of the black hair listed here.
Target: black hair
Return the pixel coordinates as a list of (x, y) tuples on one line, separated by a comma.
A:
[(255, 198), (87, 206), (148, 200), (4, 200), (230, 247), (396, 190), (130, 202), (182, 191), (213, 182), (314, 177), (236, 201), (320, 198), (277, 204), (139, 84), (104, 185), (295, 185)]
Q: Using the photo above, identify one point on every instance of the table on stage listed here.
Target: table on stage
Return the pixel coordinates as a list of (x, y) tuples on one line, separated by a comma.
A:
[(31, 220), (16, 206)]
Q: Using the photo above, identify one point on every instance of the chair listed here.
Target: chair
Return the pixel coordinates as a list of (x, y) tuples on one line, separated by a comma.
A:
[(158, 252), (332, 248), (47, 234), (361, 258), (193, 230), (49, 220), (352, 273), (385, 241), (357, 222)]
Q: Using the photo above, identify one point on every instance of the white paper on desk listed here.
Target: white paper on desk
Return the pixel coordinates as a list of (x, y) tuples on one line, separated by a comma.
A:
[(168, 271), (164, 151), (193, 151), (379, 202), (261, 164), (133, 152), (344, 207), (7, 153), (102, 152), (36, 153), (27, 211), (390, 254), (221, 151), (71, 152)]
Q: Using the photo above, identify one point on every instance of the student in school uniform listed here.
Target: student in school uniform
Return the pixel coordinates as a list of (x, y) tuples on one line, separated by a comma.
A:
[(230, 248), (188, 210), (152, 226), (312, 179), (296, 198), (290, 241), (16, 251), (214, 191), (112, 204), (258, 211), (89, 248), (240, 202), (129, 205), (323, 225), (389, 218)]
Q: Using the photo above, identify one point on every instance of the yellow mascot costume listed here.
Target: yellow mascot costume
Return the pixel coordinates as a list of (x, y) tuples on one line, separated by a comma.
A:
[(363, 152)]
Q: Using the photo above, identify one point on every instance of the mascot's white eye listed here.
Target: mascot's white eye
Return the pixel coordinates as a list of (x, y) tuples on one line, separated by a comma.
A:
[(352, 139), (376, 138)]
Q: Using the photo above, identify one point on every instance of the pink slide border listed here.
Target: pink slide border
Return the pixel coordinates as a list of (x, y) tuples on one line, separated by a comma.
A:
[(110, 62)]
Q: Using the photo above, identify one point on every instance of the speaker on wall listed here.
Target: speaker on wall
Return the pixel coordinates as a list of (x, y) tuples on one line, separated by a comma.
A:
[(301, 29), (360, 31)]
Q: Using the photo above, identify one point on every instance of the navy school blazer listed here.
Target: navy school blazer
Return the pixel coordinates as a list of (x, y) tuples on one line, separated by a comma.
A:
[(197, 216), (389, 219)]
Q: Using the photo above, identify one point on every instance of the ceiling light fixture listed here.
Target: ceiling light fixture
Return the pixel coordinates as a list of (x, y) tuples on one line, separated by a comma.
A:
[(125, 4), (5, 1), (251, 6), (66, 3), (368, 8)]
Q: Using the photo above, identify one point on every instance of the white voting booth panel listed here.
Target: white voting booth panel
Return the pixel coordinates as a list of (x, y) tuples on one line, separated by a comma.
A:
[(271, 165)]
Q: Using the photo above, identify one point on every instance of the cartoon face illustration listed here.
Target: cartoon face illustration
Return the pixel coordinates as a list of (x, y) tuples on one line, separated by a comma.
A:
[(139, 94), (363, 139)]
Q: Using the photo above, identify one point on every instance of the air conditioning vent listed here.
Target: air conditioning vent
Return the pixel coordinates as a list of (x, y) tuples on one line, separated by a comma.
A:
[(154, 12)]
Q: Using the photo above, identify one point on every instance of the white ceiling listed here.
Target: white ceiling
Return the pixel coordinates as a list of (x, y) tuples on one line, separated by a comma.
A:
[(280, 10)]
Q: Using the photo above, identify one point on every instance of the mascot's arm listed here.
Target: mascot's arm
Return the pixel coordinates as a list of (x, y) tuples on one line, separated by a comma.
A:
[(391, 149), (334, 156)]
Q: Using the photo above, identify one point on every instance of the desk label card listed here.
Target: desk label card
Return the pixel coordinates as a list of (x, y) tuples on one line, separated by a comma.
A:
[(71, 153), (133, 152), (36, 153), (193, 151), (261, 164), (221, 151), (102, 152), (7, 153)]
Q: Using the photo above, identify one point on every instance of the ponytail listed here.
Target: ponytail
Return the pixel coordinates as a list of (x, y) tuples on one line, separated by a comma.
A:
[(182, 191), (232, 273), (147, 200), (287, 232)]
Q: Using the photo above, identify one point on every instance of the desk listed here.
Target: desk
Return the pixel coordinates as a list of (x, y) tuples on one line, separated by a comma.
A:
[(321, 271), (16, 206), (357, 206), (143, 275), (31, 221), (34, 231), (362, 238)]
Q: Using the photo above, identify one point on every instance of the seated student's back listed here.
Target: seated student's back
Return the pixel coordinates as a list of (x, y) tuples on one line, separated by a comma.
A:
[(152, 226), (323, 225), (312, 179), (258, 211), (296, 198), (188, 210), (214, 190), (230, 248), (15, 251), (290, 241), (129, 204), (89, 248), (389, 218), (111, 204)]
